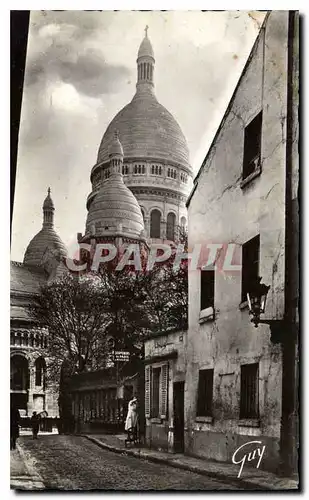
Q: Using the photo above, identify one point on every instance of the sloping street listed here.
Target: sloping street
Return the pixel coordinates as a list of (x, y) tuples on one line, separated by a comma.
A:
[(73, 462)]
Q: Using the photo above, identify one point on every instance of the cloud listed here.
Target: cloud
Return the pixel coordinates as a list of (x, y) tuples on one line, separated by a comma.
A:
[(58, 51)]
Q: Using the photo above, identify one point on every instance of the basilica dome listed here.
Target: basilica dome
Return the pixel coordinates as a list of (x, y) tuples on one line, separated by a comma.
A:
[(43, 246), (114, 209), (148, 199), (146, 128), (46, 244)]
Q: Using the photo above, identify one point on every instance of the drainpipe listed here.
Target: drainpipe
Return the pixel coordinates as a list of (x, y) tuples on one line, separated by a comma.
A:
[(288, 435)]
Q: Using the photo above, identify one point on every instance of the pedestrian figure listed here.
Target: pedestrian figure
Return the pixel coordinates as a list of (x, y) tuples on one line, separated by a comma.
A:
[(35, 424), (131, 424), (15, 421)]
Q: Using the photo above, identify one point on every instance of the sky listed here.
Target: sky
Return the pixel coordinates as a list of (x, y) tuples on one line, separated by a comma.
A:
[(81, 70)]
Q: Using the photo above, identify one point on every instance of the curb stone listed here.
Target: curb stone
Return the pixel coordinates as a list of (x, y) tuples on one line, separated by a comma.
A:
[(192, 468), (34, 478)]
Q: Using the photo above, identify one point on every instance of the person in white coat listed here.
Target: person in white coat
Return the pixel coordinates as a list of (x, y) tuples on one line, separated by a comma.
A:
[(131, 420)]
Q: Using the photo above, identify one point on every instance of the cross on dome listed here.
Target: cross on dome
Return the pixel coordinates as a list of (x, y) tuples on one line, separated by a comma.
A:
[(146, 30)]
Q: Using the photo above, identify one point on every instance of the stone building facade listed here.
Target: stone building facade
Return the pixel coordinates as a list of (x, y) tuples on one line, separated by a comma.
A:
[(240, 386), (31, 389)]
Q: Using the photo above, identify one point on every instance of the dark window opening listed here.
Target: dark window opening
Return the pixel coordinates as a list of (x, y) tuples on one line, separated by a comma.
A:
[(249, 391), (252, 146), (156, 374), (250, 265), (40, 372), (170, 226), (207, 288), (205, 393), (155, 224)]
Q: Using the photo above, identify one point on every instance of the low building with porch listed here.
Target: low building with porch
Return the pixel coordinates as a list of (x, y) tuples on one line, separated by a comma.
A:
[(165, 373)]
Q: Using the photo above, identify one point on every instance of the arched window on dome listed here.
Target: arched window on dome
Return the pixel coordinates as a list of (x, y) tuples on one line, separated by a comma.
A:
[(155, 224), (168, 172), (152, 169), (143, 169), (183, 223), (40, 369), (135, 169), (19, 373), (157, 169), (170, 226), (160, 170)]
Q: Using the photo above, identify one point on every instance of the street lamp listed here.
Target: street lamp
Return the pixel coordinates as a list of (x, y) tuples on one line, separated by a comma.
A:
[(257, 295)]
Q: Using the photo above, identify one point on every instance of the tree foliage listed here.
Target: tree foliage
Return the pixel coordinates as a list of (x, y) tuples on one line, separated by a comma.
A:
[(83, 312)]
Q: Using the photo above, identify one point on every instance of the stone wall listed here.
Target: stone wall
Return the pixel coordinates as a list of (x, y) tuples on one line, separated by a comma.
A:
[(223, 209)]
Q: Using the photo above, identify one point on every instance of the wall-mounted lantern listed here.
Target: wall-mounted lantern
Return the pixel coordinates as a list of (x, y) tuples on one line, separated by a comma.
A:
[(257, 296)]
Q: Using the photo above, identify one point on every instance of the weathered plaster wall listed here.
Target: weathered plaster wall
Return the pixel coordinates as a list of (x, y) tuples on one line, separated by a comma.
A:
[(221, 211)]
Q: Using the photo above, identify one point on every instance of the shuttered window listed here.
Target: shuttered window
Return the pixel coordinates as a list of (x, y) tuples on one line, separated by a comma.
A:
[(156, 391), (205, 393), (147, 390), (164, 391), (249, 391)]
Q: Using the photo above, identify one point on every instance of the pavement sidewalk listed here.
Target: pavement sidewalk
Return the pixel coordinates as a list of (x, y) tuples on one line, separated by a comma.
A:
[(251, 478), (22, 471)]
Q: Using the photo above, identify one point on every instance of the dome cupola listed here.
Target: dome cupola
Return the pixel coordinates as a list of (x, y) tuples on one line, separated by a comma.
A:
[(46, 244), (147, 129), (145, 49), (115, 211)]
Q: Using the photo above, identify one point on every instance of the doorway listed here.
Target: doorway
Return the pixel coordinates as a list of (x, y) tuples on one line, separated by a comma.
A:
[(178, 406)]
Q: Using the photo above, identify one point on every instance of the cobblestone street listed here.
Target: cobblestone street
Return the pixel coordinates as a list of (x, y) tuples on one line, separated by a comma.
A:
[(73, 462)]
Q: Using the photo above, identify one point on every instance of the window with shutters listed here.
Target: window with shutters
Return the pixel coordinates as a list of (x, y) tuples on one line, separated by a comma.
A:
[(249, 391), (164, 392), (148, 377), (205, 393), (156, 391)]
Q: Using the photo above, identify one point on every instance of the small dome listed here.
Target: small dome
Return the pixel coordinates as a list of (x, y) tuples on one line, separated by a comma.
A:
[(115, 147), (48, 202), (145, 48), (115, 210), (45, 244)]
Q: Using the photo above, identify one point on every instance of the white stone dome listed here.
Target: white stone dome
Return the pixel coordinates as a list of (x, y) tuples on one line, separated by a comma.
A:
[(115, 210)]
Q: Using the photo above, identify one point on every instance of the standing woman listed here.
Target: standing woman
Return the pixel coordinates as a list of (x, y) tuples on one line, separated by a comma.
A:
[(132, 420)]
